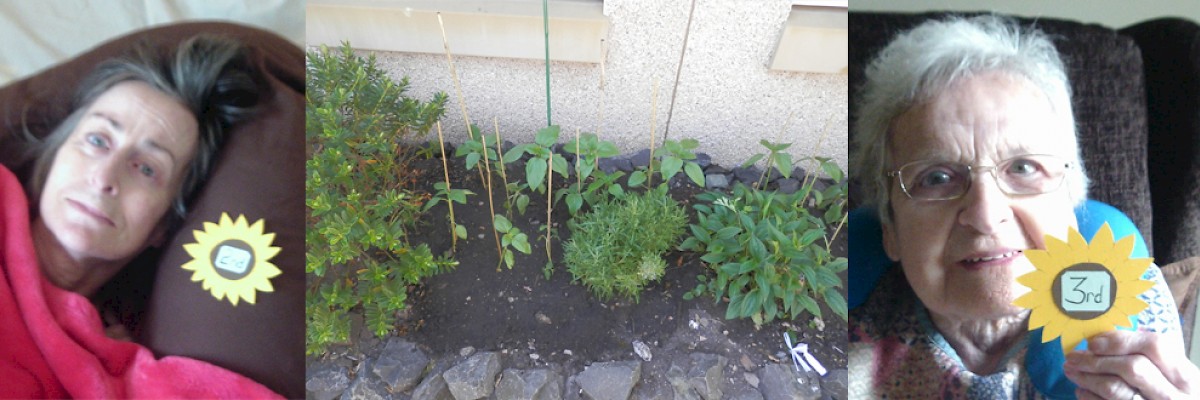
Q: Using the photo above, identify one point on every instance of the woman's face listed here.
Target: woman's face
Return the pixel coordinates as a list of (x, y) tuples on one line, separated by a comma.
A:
[(962, 256), (115, 176)]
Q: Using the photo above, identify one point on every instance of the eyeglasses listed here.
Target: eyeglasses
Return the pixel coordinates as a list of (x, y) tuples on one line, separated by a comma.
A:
[(1021, 175)]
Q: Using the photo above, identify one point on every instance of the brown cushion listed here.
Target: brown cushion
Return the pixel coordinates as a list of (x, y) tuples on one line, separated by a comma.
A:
[(259, 174), (1105, 70), (1183, 277)]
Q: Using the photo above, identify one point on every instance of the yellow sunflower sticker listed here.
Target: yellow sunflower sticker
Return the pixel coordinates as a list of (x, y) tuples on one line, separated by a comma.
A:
[(1079, 290), (231, 259)]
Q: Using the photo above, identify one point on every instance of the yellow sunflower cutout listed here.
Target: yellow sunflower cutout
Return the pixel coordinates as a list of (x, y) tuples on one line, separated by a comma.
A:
[(232, 259), (1080, 290)]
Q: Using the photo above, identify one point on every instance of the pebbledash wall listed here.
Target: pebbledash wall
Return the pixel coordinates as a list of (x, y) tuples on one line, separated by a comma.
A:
[(749, 66)]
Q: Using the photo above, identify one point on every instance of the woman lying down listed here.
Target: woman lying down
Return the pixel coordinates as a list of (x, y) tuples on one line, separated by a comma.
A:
[(109, 182)]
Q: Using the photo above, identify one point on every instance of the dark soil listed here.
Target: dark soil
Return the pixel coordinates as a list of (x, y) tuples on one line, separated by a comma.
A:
[(520, 312)]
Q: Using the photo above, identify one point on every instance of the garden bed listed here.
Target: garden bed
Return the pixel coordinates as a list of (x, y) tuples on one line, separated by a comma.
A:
[(538, 323), (399, 308)]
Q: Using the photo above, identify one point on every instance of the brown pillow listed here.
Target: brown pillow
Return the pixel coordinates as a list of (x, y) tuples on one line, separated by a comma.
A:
[(259, 174), (1183, 277)]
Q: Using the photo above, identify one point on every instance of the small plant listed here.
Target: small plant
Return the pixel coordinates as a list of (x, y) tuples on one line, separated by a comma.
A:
[(542, 166), (449, 196), (542, 151), (775, 157), (617, 247), (762, 247), (362, 131), (512, 238), (588, 149), (678, 155)]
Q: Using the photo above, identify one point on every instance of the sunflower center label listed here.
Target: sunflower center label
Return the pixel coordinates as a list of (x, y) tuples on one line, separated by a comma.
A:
[(1084, 290), (232, 259)]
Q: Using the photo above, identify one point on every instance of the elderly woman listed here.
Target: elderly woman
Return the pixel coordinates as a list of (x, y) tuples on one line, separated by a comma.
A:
[(109, 182), (966, 144)]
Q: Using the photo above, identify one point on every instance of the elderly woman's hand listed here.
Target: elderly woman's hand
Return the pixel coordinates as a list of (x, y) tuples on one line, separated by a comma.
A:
[(1123, 365)]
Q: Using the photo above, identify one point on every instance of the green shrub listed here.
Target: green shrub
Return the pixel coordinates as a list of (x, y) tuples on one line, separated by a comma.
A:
[(617, 247), (764, 248), (361, 134)]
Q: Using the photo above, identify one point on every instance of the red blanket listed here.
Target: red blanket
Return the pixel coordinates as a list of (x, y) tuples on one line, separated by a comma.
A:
[(52, 342)]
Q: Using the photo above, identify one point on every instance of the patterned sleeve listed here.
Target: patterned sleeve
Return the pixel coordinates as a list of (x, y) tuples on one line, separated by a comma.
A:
[(1162, 315)]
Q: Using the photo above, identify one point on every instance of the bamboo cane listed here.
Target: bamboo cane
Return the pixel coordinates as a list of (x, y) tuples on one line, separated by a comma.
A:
[(462, 103), (503, 174), (578, 177), (487, 164), (449, 202), (653, 121)]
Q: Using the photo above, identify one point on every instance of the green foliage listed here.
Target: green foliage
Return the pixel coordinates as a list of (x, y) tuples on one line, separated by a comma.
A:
[(472, 150), (513, 239), (763, 247), (679, 155), (362, 132), (541, 150), (618, 247), (453, 195), (590, 150), (775, 158)]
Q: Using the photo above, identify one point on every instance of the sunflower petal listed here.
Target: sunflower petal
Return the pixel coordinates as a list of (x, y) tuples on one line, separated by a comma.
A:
[(1102, 241), (1133, 288), (1129, 305), (1077, 243), (1040, 259), (1036, 280), (1039, 318)]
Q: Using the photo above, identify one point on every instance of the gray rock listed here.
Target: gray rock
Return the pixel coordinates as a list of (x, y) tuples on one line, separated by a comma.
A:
[(745, 394), (364, 389), (326, 381), (716, 181), (474, 378), (751, 379), (538, 384), (788, 186), (610, 165), (706, 374), (647, 391), (433, 388), (641, 159), (715, 169), (642, 350), (782, 382), (835, 384), (748, 175), (610, 380), (698, 377), (798, 173), (400, 365), (822, 184), (774, 175), (703, 159), (625, 165), (683, 390)]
